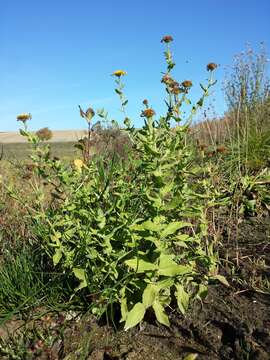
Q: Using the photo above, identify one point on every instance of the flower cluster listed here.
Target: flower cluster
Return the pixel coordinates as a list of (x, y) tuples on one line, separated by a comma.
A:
[(174, 87)]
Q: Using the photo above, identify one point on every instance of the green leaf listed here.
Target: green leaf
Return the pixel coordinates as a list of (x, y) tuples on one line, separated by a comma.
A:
[(200, 102), (191, 356), (149, 295), (168, 267), (140, 265), (124, 309), (202, 291), (57, 256), (182, 298), (135, 316), (173, 227), (80, 275), (149, 225), (221, 279), (187, 101), (160, 313), (23, 133)]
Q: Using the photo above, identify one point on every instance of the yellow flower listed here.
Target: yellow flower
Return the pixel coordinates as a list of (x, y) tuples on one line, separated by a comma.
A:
[(78, 163), (119, 73), (24, 117)]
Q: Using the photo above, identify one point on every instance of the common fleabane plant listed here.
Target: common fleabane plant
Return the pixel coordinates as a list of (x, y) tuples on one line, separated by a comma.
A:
[(132, 232)]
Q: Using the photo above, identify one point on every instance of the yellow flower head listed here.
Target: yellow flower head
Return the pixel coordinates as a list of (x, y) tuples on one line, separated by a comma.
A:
[(78, 163), (24, 117), (119, 73)]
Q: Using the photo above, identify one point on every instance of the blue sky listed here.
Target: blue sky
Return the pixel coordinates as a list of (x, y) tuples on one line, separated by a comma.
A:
[(55, 55)]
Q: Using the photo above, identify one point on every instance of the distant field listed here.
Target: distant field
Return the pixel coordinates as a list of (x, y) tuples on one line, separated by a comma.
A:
[(62, 143), (11, 137), (21, 151)]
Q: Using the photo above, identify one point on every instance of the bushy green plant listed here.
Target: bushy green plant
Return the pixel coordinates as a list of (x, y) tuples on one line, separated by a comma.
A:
[(131, 232)]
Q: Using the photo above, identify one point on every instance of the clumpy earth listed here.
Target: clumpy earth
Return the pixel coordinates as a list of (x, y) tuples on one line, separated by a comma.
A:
[(231, 323)]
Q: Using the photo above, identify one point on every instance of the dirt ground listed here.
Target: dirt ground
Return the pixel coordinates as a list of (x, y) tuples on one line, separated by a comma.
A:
[(232, 322)]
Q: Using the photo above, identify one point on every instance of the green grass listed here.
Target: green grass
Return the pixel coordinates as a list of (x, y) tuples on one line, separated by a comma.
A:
[(26, 281)]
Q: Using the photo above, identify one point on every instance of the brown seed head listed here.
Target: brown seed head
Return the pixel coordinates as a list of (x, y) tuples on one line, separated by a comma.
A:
[(221, 149), (44, 134), (187, 84), (167, 39), (145, 102), (166, 79), (148, 113), (211, 66), (175, 90)]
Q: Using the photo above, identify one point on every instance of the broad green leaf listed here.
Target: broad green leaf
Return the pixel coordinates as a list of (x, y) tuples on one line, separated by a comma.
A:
[(140, 266), (151, 226), (124, 309), (160, 313), (174, 270), (80, 275), (221, 279), (163, 284), (184, 237), (166, 260), (182, 298), (149, 295), (202, 291), (135, 315), (173, 227), (57, 256), (168, 267)]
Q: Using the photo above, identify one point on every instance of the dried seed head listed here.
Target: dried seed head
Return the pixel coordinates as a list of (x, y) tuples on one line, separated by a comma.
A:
[(90, 113), (211, 66), (167, 39), (167, 79), (175, 90), (145, 102), (44, 134), (148, 113), (221, 149), (187, 84)]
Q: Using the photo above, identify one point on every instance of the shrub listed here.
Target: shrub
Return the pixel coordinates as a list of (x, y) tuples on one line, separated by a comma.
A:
[(131, 232)]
